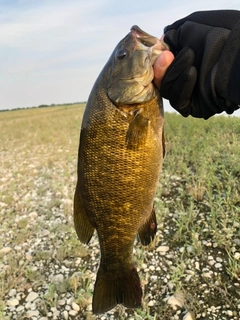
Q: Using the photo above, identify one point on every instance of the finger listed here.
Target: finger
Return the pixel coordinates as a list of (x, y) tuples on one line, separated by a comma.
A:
[(180, 65), (160, 66), (181, 93)]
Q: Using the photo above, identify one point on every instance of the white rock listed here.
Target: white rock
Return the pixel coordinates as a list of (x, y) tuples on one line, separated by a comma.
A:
[(58, 278), (190, 249), (28, 305), (75, 306), (53, 309), (70, 301), (153, 278), (218, 265), (197, 265), (12, 292), (170, 286), (230, 313), (237, 255), (174, 302), (33, 306), (211, 262), (28, 257), (33, 215), (20, 309), (65, 315), (188, 277), (189, 316), (61, 302), (191, 272), (73, 313), (32, 296), (45, 232), (5, 250), (13, 302), (162, 249), (2, 204), (31, 313), (56, 314), (151, 303), (144, 265)]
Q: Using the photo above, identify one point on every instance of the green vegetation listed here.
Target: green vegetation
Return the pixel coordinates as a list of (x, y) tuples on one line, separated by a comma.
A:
[(198, 209)]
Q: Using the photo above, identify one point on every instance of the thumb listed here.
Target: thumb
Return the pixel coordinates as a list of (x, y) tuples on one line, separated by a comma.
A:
[(160, 66)]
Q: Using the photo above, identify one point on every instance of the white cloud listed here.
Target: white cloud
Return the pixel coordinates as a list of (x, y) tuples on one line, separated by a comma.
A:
[(53, 18), (54, 49)]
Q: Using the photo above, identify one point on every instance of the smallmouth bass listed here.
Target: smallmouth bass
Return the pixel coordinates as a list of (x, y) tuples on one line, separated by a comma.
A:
[(119, 162)]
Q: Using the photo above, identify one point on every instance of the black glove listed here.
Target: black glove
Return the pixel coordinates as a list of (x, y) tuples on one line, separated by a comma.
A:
[(204, 78)]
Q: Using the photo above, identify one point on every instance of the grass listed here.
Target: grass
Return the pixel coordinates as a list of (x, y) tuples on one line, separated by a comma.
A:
[(198, 207)]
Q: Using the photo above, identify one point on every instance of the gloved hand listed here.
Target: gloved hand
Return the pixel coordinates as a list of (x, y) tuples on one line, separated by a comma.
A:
[(204, 78)]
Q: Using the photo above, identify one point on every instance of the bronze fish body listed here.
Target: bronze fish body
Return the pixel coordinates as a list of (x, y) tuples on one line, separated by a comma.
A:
[(119, 162)]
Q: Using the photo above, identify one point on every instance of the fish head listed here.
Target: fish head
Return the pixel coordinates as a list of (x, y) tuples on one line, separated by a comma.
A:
[(132, 73)]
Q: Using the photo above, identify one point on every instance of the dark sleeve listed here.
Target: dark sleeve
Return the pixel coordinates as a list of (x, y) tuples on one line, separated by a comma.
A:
[(204, 78)]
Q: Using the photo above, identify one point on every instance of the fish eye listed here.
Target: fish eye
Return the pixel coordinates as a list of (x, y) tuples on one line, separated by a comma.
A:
[(122, 53)]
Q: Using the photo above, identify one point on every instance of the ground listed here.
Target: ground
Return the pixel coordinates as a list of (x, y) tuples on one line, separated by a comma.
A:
[(190, 271)]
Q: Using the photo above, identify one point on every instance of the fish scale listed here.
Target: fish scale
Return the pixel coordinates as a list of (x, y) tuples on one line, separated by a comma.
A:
[(119, 163)]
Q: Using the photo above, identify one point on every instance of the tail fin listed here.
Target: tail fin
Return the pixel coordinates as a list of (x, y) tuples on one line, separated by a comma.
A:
[(119, 288), (148, 231)]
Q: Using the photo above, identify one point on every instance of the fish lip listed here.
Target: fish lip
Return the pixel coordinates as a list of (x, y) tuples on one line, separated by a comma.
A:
[(148, 43), (147, 40), (143, 36)]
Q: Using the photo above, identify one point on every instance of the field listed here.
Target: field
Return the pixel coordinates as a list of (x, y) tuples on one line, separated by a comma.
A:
[(191, 271)]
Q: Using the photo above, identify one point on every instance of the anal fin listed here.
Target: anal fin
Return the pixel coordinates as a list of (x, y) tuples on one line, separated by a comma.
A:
[(82, 224), (148, 230)]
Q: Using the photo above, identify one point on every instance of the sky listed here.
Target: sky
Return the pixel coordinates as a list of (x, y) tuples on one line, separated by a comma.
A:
[(51, 51)]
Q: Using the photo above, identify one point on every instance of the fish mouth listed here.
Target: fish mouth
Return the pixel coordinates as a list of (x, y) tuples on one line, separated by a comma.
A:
[(147, 40), (142, 36)]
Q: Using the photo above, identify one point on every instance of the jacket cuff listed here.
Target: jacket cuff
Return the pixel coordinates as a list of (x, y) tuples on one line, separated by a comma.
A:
[(228, 75)]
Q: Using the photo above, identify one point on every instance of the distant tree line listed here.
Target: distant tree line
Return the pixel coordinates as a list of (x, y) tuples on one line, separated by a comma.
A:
[(45, 106)]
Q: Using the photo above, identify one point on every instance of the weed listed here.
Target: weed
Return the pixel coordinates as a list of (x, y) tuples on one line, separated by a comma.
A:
[(198, 210), (233, 268), (51, 296), (33, 275), (43, 255), (144, 314), (22, 224)]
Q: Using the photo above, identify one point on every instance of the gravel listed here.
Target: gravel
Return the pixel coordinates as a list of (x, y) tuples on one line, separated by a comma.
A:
[(47, 274)]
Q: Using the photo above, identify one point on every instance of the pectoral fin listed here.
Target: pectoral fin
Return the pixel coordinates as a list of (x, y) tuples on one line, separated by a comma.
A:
[(82, 224), (148, 231), (163, 144), (137, 132)]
